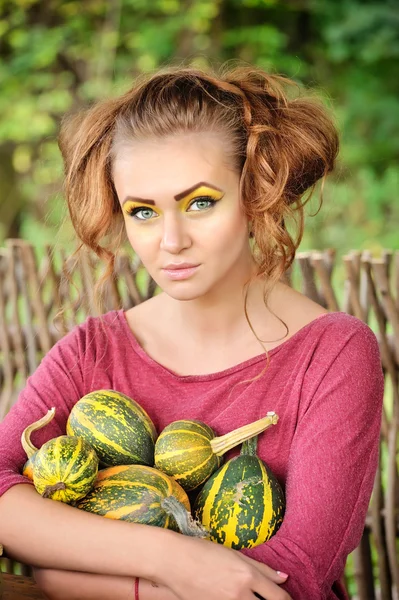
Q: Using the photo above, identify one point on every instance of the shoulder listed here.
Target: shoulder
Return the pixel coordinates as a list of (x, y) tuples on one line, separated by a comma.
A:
[(102, 324), (93, 333), (332, 330), (346, 351), (341, 369), (339, 329)]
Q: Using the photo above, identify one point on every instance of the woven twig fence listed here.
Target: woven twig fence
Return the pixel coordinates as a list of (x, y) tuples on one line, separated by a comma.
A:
[(32, 292)]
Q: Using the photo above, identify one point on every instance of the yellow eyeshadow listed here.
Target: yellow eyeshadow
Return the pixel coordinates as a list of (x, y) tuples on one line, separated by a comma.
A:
[(201, 191), (129, 206)]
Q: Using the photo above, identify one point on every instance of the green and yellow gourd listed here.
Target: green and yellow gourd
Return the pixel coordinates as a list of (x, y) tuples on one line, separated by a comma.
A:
[(141, 494), (65, 468), (242, 504), (27, 445), (117, 427), (188, 450)]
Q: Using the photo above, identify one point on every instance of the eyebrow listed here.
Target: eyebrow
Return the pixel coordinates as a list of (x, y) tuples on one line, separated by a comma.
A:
[(177, 197)]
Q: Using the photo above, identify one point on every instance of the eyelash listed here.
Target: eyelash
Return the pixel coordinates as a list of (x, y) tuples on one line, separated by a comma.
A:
[(133, 213)]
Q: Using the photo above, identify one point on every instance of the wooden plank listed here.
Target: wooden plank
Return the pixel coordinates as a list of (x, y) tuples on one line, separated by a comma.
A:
[(15, 587)]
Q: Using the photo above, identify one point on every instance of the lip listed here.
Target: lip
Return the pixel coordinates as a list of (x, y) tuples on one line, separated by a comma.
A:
[(180, 273), (176, 266)]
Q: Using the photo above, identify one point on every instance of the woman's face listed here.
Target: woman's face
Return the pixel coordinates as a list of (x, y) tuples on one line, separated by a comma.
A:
[(181, 204)]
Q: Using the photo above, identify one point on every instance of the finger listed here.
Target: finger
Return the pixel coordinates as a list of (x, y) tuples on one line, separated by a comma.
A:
[(268, 590), (276, 576)]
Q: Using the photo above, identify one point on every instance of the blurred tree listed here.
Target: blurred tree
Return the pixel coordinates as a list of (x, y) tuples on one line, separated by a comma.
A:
[(57, 55)]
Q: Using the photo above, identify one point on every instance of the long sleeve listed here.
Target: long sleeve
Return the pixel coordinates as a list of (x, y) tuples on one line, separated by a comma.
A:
[(58, 381), (331, 470)]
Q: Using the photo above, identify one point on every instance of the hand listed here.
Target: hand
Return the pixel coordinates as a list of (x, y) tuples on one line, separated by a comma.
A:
[(196, 569)]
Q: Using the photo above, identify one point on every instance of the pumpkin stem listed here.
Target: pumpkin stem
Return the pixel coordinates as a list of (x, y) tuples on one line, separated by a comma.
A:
[(50, 489), (250, 447), (27, 445), (185, 522), (222, 444)]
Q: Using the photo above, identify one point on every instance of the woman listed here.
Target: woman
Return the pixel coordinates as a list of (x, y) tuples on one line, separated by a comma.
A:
[(202, 172)]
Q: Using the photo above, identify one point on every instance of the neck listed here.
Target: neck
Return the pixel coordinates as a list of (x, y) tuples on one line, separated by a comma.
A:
[(219, 317)]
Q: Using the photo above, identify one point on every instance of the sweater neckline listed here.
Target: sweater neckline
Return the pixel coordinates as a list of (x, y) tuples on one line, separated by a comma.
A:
[(219, 374)]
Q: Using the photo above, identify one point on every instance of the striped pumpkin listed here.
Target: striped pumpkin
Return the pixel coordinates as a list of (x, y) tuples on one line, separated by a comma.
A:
[(117, 427), (65, 469), (137, 494), (242, 505), (27, 469), (30, 449), (189, 451)]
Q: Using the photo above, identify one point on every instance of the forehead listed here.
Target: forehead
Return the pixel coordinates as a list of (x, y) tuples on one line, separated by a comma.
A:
[(161, 166)]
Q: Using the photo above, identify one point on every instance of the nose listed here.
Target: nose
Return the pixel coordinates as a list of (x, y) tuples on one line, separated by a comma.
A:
[(175, 237)]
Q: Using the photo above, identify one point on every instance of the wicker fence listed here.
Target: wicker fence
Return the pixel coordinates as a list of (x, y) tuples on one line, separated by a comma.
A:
[(33, 290)]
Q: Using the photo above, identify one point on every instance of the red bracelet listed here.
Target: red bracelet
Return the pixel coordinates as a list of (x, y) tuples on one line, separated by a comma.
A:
[(136, 588)]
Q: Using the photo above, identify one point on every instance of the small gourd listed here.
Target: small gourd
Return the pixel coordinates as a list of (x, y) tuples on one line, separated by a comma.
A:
[(189, 451), (242, 504), (30, 450), (64, 468), (116, 426), (141, 494)]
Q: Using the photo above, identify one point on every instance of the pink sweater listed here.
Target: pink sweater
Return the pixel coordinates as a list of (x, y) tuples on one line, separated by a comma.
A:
[(326, 385)]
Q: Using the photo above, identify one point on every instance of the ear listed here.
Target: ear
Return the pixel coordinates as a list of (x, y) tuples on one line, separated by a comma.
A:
[(250, 232)]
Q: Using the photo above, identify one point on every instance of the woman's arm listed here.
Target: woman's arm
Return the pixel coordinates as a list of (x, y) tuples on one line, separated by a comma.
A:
[(332, 465), (53, 535), (58, 382), (71, 585), (49, 534)]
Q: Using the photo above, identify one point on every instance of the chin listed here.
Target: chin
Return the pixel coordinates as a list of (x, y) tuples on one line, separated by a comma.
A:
[(183, 295), (185, 290)]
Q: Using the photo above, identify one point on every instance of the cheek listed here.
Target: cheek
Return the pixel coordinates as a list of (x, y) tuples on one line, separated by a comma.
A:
[(142, 242), (228, 228)]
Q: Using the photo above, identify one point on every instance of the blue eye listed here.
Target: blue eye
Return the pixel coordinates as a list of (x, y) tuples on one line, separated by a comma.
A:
[(141, 210), (143, 213), (204, 199)]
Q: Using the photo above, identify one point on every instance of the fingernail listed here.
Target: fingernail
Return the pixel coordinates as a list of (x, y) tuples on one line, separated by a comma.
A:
[(282, 575)]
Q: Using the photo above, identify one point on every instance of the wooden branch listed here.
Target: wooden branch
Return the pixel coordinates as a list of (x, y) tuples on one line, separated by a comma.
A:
[(309, 287), (321, 262), (396, 267), (8, 371), (378, 529), (353, 279), (15, 319), (388, 304)]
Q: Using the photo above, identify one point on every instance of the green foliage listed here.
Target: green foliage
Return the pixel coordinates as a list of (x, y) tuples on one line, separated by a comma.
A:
[(59, 55)]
